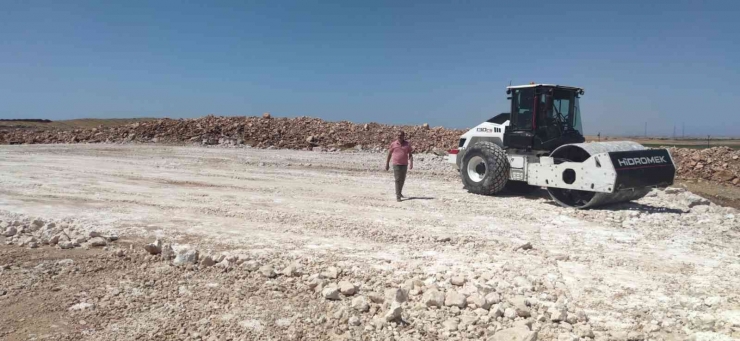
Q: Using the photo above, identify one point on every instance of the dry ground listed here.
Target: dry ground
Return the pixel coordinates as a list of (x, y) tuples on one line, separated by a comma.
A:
[(683, 143), (654, 269)]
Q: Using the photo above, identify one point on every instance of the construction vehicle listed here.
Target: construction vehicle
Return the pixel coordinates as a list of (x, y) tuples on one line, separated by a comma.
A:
[(540, 143)]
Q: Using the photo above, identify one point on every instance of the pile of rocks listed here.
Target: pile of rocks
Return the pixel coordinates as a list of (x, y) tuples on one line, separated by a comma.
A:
[(37, 232), (162, 288), (259, 132), (508, 307), (720, 164)]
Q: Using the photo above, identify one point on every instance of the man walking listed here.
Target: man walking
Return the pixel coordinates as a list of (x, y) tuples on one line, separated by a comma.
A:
[(403, 159)]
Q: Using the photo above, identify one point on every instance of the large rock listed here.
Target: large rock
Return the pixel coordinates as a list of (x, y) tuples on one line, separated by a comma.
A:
[(433, 298), (28, 240), (457, 280), (291, 271), (674, 190), (360, 304), (492, 298), (268, 271), (97, 242), (455, 299), (47, 234), (519, 333), (81, 306), (37, 223), (724, 175), (167, 252), (354, 321), (525, 246), (10, 231), (557, 313), (207, 261), (477, 300), (251, 265), (376, 298), (521, 306), (584, 330), (347, 288), (154, 248), (330, 292), (67, 245), (496, 311), (396, 295), (394, 313), (695, 200), (451, 324), (186, 257), (331, 273)]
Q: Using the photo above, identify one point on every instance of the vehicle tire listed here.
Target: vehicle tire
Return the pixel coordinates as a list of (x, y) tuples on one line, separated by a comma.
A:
[(519, 187), (485, 168)]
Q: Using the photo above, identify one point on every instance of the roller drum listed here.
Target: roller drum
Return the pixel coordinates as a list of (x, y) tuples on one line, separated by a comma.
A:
[(579, 152)]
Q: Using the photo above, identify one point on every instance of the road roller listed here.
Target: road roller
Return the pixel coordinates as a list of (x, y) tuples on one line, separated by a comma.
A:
[(540, 143)]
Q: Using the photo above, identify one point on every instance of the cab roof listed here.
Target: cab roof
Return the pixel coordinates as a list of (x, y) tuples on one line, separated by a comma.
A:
[(549, 85)]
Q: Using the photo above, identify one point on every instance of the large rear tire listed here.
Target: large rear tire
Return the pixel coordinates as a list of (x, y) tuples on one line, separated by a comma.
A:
[(484, 168)]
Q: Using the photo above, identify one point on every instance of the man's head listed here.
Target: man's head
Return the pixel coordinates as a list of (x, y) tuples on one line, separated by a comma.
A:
[(401, 136)]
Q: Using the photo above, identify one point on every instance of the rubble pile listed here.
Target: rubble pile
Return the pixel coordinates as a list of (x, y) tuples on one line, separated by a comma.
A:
[(259, 132), (720, 164), (33, 233)]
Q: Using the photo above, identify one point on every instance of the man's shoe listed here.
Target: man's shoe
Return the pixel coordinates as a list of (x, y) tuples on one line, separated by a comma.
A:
[(398, 199)]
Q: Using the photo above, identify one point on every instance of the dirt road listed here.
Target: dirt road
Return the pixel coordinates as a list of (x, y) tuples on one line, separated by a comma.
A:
[(654, 269)]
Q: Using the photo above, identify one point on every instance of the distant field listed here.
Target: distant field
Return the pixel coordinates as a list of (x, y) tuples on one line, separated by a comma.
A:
[(680, 143), (691, 146), (84, 123)]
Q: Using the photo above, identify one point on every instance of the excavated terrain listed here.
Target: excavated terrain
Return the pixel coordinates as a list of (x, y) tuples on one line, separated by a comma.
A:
[(153, 242), (717, 165)]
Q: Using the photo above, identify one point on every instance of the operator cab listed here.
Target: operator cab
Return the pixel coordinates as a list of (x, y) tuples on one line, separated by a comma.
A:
[(543, 117)]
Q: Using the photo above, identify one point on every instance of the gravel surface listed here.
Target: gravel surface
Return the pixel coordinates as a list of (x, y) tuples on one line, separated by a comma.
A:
[(125, 242)]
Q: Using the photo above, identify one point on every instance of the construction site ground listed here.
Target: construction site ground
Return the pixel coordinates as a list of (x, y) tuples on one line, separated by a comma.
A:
[(303, 223)]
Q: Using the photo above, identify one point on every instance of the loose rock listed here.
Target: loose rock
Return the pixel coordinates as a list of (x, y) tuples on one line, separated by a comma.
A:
[(330, 292), (433, 298), (455, 299), (557, 313), (346, 288), (98, 242), (250, 265), (268, 271), (519, 333), (154, 248), (394, 313), (207, 261), (360, 304), (396, 295), (331, 273), (457, 280), (186, 257)]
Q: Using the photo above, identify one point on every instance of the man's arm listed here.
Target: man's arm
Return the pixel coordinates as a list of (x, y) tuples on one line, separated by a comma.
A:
[(388, 159), (411, 158)]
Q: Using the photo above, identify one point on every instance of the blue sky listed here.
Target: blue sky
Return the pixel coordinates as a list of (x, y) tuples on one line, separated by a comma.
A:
[(398, 62)]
